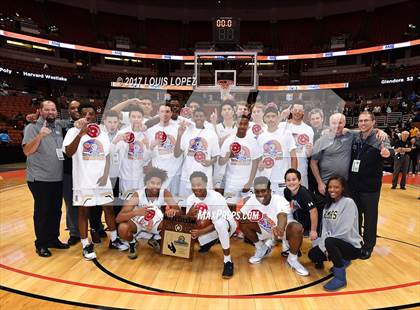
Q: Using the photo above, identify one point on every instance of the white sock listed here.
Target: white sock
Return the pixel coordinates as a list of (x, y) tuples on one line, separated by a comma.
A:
[(259, 244), (85, 242), (113, 235), (227, 258), (293, 256)]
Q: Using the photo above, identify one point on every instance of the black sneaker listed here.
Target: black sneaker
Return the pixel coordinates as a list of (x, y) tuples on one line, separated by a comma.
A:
[(403, 188), (118, 244), (155, 244), (227, 270), (132, 251), (89, 252), (393, 187), (206, 247)]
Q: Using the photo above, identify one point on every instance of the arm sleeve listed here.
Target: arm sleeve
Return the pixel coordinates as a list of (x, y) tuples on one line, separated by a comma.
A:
[(287, 194), (256, 151), (307, 199), (70, 135), (29, 133), (215, 148), (292, 142), (225, 147), (317, 152)]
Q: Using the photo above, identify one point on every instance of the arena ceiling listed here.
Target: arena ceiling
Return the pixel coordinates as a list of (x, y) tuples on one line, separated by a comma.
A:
[(191, 10)]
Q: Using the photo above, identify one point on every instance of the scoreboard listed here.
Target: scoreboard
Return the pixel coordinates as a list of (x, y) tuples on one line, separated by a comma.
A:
[(226, 30)]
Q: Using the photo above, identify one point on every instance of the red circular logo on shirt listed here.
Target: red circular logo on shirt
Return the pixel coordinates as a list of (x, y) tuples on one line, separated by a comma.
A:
[(93, 130), (199, 156), (268, 162), (255, 215), (129, 137), (202, 207), (235, 147), (150, 215), (256, 129), (185, 111), (303, 139), (161, 136)]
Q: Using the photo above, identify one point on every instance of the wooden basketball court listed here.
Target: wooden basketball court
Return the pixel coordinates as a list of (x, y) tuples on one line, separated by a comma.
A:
[(390, 278)]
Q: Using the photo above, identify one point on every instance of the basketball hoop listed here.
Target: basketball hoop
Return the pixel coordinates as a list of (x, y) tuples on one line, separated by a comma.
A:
[(225, 87)]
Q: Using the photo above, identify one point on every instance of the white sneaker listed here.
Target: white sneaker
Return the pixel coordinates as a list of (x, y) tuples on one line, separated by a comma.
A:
[(271, 243), (119, 245), (297, 267), (260, 253), (89, 252)]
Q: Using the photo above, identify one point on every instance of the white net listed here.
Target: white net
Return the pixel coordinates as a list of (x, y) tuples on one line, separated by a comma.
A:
[(225, 86)]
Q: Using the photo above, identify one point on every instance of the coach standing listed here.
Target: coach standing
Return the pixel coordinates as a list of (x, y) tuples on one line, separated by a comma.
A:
[(42, 143), (365, 178)]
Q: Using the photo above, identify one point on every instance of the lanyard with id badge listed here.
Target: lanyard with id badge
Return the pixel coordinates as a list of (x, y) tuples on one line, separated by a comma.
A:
[(356, 162), (55, 134)]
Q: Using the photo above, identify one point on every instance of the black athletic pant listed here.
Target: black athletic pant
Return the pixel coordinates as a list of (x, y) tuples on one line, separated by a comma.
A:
[(367, 206), (337, 250), (48, 198)]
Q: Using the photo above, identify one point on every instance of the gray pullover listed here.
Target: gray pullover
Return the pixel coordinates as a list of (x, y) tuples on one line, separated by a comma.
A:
[(341, 221)]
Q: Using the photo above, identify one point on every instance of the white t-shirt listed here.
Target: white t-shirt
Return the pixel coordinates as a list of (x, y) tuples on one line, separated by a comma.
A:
[(89, 160), (277, 145), (133, 156), (163, 154), (256, 130), (225, 131), (278, 204), (216, 203), (198, 140), (303, 134), (114, 168), (239, 167)]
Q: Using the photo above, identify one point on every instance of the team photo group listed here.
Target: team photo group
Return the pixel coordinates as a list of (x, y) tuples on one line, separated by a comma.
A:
[(263, 173)]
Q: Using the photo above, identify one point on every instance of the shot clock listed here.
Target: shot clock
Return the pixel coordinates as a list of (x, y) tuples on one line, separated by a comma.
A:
[(226, 30)]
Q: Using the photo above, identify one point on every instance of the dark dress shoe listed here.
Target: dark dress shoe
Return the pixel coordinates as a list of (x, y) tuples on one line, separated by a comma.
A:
[(73, 240), (365, 253), (43, 252), (58, 245)]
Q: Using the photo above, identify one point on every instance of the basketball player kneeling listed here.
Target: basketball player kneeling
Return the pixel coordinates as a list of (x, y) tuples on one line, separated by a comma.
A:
[(141, 216), (210, 204), (265, 217)]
